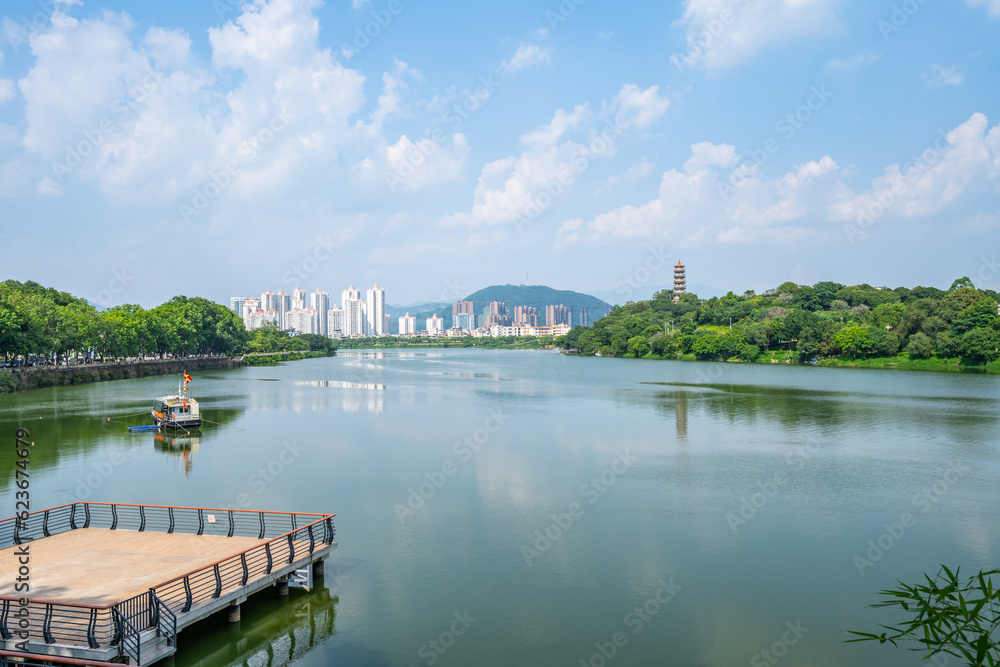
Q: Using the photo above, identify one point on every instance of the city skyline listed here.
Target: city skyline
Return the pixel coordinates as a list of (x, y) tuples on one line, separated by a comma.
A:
[(577, 144)]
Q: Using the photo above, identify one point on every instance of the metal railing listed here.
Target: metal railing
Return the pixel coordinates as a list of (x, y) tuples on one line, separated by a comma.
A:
[(285, 536), (21, 659)]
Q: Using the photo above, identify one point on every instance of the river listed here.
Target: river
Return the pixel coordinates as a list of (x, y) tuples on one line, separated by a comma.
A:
[(500, 507)]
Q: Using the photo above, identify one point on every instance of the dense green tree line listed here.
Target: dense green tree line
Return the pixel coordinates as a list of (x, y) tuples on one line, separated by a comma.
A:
[(269, 338), (823, 320), (37, 321)]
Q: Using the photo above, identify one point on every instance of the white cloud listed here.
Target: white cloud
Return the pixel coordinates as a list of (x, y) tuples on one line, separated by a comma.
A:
[(155, 126), (358, 4), (701, 201), (390, 102), (936, 76), (963, 163), (527, 55), (992, 6), (7, 90), (48, 188), (857, 61), (169, 49), (408, 166), (722, 34), (550, 134), (634, 107)]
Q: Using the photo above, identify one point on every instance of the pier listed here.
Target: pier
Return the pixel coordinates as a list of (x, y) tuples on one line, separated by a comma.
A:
[(118, 583)]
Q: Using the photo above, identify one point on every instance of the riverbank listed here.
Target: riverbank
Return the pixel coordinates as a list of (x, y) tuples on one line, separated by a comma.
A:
[(33, 378), (274, 358), (899, 362)]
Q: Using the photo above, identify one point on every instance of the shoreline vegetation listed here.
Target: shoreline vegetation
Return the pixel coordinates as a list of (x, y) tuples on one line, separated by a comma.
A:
[(54, 337), (826, 324)]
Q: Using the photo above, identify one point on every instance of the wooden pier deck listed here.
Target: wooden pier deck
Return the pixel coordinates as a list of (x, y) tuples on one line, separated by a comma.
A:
[(118, 582)]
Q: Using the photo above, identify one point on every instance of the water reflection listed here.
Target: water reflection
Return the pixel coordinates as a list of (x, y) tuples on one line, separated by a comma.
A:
[(181, 446), (339, 384), (272, 632)]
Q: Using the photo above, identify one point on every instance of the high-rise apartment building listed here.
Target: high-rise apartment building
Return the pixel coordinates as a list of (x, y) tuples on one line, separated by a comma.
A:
[(407, 325), (460, 307), (525, 316), (298, 298), (236, 304), (354, 312), (465, 321), (320, 303), (584, 317), (435, 325), (335, 322), (375, 309), (284, 304), (387, 324), (302, 320), (556, 315), (498, 314)]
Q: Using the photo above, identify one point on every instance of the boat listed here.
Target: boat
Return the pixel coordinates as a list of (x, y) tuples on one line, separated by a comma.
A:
[(178, 411)]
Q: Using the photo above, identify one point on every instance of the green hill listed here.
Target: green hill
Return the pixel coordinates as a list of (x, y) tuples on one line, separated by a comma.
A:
[(538, 296)]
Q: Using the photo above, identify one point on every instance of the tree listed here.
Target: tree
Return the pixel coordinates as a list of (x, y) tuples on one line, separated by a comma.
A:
[(920, 346), (981, 345), (854, 340), (638, 347), (961, 282), (946, 345)]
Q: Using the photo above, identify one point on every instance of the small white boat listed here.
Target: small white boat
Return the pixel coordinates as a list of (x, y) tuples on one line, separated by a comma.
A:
[(178, 411)]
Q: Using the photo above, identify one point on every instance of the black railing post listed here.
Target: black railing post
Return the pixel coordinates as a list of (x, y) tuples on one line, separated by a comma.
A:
[(291, 548), (312, 540), (142, 518), (154, 611), (331, 534), (261, 536), (218, 581), (72, 516), (201, 521), (86, 515), (4, 632), (187, 596), (114, 517), (91, 635), (270, 562), (47, 626), (232, 524), (246, 570), (45, 524), (170, 513)]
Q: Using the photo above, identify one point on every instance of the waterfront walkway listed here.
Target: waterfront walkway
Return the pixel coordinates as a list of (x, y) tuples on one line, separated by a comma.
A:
[(112, 582)]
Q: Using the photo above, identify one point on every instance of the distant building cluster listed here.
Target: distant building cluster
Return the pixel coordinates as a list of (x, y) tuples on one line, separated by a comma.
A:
[(355, 316), (360, 315)]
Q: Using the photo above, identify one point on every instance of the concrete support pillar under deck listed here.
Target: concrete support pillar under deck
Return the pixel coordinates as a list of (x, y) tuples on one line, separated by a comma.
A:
[(233, 613), (281, 586), (317, 569)]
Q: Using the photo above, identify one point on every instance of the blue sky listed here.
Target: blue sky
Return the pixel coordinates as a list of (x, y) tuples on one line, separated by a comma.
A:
[(221, 147)]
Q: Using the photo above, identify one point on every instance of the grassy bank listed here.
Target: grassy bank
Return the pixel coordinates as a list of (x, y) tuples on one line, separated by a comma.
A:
[(274, 358)]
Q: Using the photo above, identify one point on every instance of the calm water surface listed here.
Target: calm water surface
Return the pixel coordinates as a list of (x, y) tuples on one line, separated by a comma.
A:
[(548, 501)]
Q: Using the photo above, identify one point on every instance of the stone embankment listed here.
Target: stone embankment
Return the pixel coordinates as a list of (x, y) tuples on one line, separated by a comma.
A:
[(49, 376)]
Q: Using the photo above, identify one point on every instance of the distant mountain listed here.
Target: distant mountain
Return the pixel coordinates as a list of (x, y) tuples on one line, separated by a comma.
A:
[(538, 296), (396, 311)]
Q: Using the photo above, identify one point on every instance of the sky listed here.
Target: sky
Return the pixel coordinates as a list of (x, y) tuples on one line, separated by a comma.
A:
[(223, 147)]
